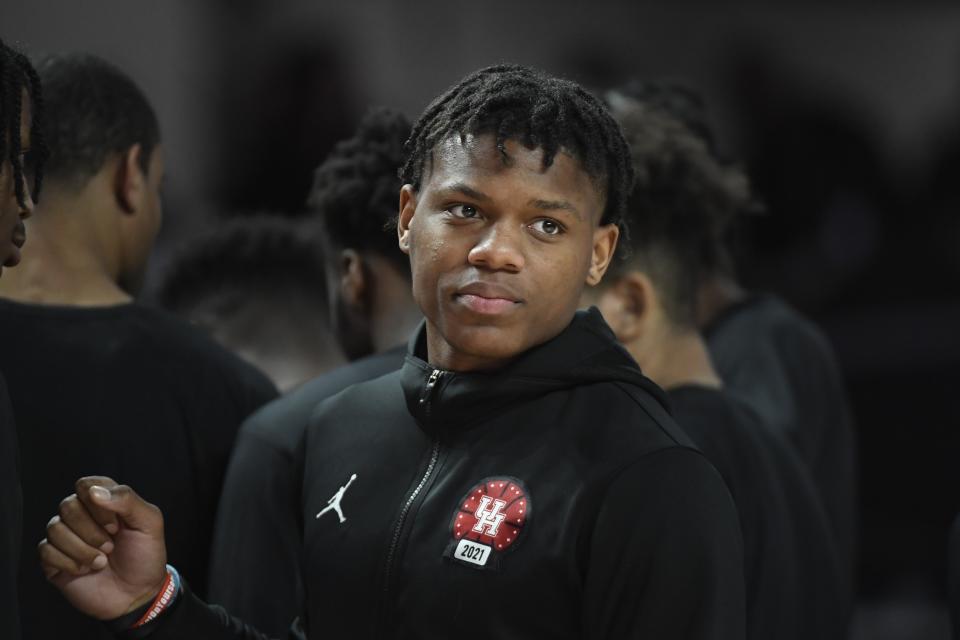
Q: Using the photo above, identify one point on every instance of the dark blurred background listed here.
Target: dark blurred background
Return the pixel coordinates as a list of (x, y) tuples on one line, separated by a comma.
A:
[(846, 113)]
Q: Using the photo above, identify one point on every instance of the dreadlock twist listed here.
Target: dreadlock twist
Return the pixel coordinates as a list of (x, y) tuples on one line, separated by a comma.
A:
[(537, 110), (17, 74)]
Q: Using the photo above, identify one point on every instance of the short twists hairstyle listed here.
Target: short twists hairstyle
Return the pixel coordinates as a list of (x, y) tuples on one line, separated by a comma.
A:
[(540, 111)]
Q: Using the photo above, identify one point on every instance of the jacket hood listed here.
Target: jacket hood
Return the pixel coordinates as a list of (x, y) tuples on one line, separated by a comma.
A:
[(586, 352)]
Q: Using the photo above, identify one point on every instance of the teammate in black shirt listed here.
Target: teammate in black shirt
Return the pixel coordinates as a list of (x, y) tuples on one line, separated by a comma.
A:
[(354, 202), (22, 155), (95, 380), (773, 357), (793, 581), (518, 477)]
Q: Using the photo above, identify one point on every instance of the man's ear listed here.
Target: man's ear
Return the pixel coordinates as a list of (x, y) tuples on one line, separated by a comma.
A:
[(129, 180), (604, 245), (353, 279), (408, 206), (627, 305)]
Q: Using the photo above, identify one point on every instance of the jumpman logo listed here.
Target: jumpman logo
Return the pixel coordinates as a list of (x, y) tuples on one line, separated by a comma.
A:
[(334, 502)]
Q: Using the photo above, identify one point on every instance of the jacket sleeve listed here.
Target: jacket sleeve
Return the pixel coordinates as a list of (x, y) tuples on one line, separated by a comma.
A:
[(666, 555), (190, 618), (256, 539)]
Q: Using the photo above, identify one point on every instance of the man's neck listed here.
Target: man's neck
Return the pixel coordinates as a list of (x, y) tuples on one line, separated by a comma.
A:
[(62, 265), (716, 294), (678, 358)]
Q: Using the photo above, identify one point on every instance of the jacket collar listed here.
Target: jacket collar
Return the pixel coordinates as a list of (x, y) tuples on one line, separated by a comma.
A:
[(585, 352)]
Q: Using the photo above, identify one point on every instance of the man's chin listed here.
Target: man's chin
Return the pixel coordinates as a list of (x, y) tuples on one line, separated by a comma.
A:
[(488, 342), (13, 256)]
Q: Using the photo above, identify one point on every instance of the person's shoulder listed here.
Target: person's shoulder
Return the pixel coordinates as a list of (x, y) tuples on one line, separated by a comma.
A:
[(725, 428), (356, 372), (765, 334), (283, 421), (367, 409), (696, 406), (155, 329), (367, 396), (629, 419), (769, 317)]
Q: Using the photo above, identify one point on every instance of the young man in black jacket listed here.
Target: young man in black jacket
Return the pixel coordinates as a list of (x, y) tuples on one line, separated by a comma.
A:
[(794, 585), (518, 477)]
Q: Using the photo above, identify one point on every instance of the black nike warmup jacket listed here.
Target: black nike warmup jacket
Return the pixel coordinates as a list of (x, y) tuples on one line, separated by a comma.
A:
[(554, 498)]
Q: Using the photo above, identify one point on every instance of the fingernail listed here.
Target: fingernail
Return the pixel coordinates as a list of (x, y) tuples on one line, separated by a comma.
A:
[(99, 493), (112, 528), (51, 573), (107, 546), (99, 562)]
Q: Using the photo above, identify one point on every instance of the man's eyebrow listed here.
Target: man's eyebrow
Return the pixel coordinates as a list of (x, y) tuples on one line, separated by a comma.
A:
[(465, 189), (554, 205)]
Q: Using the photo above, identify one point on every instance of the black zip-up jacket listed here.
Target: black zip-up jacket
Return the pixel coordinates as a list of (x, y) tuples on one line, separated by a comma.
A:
[(554, 498)]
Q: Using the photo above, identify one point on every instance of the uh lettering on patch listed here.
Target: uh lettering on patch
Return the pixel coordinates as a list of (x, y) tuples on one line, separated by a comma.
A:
[(489, 521)]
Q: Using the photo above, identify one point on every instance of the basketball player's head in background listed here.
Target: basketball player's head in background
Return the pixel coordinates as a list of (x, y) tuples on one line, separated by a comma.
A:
[(720, 187), (354, 201), (682, 204), (94, 232), (257, 285), (514, 192), (22, 150)]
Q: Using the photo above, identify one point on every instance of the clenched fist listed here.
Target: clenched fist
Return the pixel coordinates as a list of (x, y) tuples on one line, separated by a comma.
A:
[(105, 549)]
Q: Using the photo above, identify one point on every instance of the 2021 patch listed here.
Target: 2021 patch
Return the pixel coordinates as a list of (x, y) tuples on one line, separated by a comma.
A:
[(489, 521)]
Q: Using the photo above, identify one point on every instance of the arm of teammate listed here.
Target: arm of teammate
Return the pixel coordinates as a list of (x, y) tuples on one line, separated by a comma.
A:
[(105, 552), (666, 556)]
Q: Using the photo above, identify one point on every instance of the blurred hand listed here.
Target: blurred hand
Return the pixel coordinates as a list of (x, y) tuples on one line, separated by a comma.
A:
[(105, 550)]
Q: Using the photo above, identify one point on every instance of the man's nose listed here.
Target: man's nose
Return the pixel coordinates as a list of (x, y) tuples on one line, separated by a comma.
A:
[(499, 249)]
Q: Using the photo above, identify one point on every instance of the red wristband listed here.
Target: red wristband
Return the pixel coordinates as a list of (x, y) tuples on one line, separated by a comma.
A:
[(166, 596)]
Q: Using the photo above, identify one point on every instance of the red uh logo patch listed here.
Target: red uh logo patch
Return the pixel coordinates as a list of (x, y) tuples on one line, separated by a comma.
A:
[(489, 521)]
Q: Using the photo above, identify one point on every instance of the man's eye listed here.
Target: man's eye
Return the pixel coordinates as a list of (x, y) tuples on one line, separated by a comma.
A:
[(548, 227), (463, 211)]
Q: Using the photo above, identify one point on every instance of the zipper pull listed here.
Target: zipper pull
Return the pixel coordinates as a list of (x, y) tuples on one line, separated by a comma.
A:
[(431, 383)]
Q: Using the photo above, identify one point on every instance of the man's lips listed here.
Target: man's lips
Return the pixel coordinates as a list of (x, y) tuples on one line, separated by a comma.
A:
[(490, 299), (19, 235), (17, 239)]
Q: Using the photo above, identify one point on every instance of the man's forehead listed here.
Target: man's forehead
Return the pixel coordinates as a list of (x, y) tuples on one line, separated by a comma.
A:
[(479, 153), (464, 163)]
